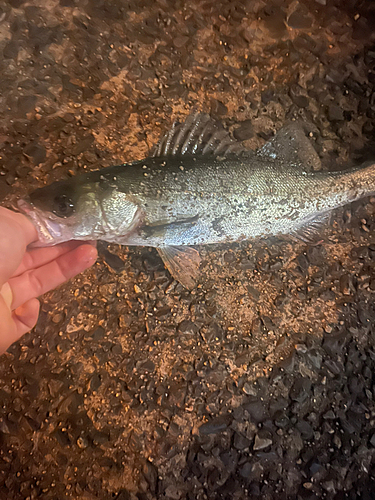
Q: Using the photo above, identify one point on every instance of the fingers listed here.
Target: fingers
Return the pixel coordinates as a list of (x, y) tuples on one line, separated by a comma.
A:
[(38, 281), (22, 290), (15, 324), (40, 256)]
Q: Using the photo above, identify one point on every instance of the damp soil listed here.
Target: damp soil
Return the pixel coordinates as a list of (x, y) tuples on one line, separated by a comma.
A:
[(259, 382)]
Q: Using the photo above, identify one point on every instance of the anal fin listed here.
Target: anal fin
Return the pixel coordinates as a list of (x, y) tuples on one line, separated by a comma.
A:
[(182, 262), (310, 232)]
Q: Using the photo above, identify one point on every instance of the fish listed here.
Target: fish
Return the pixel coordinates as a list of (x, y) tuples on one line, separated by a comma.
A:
[(199, 186)]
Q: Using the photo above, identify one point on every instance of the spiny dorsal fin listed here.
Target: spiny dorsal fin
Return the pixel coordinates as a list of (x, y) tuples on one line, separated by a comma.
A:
[(291, 145), (197, 135)]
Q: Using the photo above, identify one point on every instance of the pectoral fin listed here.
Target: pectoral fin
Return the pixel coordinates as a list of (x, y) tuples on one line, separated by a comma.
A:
[(183, 264)]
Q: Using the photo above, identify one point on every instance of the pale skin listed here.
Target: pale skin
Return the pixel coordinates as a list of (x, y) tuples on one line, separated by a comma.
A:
[(26, 273)]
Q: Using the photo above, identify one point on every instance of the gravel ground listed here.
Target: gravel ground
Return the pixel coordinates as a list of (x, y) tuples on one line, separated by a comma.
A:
[(257, 384)]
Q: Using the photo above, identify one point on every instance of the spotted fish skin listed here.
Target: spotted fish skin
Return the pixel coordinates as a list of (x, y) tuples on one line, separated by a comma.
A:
[(199, 187), (224, 200)]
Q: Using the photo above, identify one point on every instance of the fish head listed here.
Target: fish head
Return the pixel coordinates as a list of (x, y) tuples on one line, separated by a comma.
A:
[(80, 210)]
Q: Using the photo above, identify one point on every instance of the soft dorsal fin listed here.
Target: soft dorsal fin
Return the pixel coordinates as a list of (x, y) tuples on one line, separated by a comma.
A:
[(291, 145), (197, 135)]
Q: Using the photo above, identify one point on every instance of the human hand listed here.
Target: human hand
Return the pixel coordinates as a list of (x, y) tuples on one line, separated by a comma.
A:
[(26, 274)]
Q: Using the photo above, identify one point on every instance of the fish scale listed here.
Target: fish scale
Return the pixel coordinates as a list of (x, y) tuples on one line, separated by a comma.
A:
[(201, 187)]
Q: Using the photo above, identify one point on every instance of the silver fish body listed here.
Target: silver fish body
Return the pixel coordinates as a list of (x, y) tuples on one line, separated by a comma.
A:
[(192, 194), (216, 201)]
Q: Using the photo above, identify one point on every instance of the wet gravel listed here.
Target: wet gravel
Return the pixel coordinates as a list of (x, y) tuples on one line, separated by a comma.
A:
[(258, 383)]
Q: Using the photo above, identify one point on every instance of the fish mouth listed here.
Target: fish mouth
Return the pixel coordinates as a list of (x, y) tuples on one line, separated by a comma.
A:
[(49, 231)]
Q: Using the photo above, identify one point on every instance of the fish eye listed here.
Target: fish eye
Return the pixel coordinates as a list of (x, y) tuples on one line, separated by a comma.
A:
[(63, 206)]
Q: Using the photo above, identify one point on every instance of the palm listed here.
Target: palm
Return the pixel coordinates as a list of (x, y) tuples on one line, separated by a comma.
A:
[(26, 274)]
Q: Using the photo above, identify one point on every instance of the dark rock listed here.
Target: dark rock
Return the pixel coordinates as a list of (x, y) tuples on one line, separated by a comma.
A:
[(334, 366), (10, 50), (99, 437), (240, 442), (215, 425), (180, 41), (163, 313), (229, 257), (253, 292), (256, 409), (177, 393), (300, 18), (82, 145), (229, 460), (268, 96), (95, 382), (218, 108), (329, 415), (297, 97), (214, 332), (281, 420), (146, 366), (315, 357), (116, 349), (274, 19), (301, 101), (335, 113), (188, 327), (307, 432), (173, 492), (62, 437), (97, 334), (301, 389), (303, 262), (35, 152), (244, 131), (365, 315), (25, 104), (114, 261), (150, 473), (334, 344), (245, 470)]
